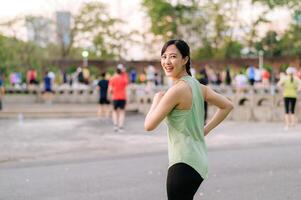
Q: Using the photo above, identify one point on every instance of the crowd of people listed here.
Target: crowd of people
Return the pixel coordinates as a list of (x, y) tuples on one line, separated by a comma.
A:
[(242, 80)]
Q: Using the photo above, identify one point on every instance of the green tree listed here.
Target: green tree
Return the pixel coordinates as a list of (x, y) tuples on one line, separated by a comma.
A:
[(205, 25), (291, 41), (280, 3), (94, 25), (163, 18), (19, 55), (270, 44)]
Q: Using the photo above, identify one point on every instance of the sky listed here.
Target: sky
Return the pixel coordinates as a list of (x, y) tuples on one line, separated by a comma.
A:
[(10, 8), (129, 10)]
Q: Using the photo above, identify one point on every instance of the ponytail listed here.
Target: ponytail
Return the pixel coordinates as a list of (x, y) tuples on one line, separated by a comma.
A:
[(292, 78), (187, 66)]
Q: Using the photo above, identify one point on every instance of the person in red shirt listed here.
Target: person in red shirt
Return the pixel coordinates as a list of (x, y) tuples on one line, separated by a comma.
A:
[(117, 91), (265, 77)]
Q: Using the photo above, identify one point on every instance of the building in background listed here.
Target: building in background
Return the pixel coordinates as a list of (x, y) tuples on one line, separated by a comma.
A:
[(63, 28)]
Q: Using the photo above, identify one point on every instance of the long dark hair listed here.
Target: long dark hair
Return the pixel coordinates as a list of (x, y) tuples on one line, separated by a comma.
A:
[(183, 47)]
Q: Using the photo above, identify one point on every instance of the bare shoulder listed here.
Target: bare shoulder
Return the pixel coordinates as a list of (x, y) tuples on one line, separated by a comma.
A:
[(182, 94), (204, 89), (180, 88)]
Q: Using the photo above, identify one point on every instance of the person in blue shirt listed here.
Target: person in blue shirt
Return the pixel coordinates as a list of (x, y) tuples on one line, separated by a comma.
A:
[(1, 89), (47, 88), (251, 74)]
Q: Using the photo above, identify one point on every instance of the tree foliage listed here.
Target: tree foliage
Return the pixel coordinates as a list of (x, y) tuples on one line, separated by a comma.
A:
[(205, 25), (19, 55), (95, 28), (279, 3), (210, 27)]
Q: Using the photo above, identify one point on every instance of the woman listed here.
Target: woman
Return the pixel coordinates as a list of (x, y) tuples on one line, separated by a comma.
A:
[(290, 85), (183, 107)]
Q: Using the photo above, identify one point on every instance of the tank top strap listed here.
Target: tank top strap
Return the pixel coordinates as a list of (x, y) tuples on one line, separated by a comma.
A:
[(195, 87)]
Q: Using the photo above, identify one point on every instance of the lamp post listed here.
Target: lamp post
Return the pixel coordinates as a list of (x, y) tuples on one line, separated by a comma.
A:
[(85, 55), (260, 60)]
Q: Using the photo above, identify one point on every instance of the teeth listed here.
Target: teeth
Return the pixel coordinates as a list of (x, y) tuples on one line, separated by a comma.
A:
[(169, 68)]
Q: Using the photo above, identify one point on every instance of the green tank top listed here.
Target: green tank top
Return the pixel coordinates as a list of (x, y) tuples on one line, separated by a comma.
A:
[(186, 143)]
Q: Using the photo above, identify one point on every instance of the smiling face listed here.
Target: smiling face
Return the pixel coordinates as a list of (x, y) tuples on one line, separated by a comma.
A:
[(173, 62)]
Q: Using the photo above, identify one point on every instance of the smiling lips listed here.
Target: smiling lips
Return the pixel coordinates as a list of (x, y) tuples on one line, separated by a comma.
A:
[(168, 69)]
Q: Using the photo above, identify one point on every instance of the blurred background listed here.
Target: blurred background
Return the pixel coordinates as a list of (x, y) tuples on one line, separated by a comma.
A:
[(56, 144), (53, 34)]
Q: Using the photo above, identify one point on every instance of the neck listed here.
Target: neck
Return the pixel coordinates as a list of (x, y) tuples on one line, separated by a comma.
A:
[(179, 76)]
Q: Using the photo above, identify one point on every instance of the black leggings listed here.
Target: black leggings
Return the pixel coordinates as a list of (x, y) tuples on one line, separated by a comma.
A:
[(182, 182), (289, 104)]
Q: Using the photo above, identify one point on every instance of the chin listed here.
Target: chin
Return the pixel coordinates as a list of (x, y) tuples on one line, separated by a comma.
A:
[(168, 74)]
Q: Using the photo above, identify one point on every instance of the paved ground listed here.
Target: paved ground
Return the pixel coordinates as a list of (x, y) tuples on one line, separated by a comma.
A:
[(46, 110), (82, 158), (37, 110)]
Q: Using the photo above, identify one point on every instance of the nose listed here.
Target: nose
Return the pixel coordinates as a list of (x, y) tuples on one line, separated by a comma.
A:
[(167, 60)]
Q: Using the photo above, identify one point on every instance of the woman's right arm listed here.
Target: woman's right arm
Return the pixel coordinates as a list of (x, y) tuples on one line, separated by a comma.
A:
[(224, 108)]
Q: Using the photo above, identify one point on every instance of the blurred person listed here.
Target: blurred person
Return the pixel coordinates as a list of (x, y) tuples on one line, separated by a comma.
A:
[(86, 75), (31, 77), (265, 77), (240, 82), (299, 74), (218, 78), (48, 92), (258, 75), (15, 79), (65, 77), (150, 77), (150, 74), (291, 85), (211, 74), (142, 78), (228, 79), (52, 76), (124, 74), (19, 78), (251, 74), (117, 91), (158, 78), (182, 107), (204, 80), (193, 72), (102, 85), (80, 75), (2, 90), (133, 75)]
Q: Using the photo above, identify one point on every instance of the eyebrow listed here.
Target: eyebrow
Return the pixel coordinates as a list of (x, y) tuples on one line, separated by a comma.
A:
[(170, 54)]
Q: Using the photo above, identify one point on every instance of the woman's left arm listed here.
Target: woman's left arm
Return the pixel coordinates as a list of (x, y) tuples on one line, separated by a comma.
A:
[(161, 106), (224, 108)]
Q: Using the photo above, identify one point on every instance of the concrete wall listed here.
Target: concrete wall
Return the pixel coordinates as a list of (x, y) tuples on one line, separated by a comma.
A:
[(252, 105)]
